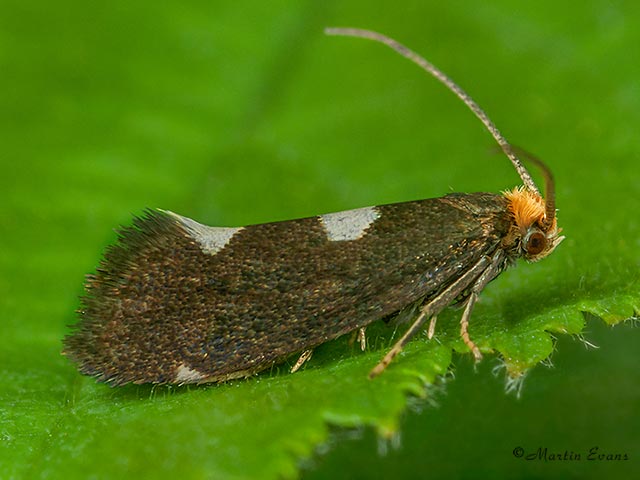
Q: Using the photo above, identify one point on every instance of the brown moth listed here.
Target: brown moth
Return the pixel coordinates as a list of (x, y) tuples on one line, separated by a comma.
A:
[(175, 301)]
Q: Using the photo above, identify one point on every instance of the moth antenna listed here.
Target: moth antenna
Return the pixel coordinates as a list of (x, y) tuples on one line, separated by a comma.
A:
[(451, 85)]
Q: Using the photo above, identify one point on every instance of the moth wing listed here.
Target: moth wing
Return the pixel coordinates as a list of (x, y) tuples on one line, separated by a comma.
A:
[(175, 301)]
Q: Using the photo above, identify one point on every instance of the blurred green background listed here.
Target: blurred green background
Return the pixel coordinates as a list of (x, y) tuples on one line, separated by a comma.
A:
[(243, 112)]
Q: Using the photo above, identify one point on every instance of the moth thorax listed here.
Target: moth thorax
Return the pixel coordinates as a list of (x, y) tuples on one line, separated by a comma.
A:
[(530, 235)]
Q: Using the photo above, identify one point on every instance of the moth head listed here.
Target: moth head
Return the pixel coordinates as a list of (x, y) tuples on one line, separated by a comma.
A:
[(535, 229)]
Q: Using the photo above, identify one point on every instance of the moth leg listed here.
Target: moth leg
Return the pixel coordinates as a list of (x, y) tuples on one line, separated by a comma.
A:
[(464, 327), (304, 356), (489, 274), (432, 327), (432, 308), (362, 338)]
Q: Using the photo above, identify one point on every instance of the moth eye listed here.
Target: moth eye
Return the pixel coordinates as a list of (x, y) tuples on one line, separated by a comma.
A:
[(535, 243)]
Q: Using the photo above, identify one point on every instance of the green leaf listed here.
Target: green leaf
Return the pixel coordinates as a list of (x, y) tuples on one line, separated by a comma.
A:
[(246, 113)]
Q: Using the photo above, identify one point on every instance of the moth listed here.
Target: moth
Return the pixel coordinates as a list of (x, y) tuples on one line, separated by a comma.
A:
[(178, 302)]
